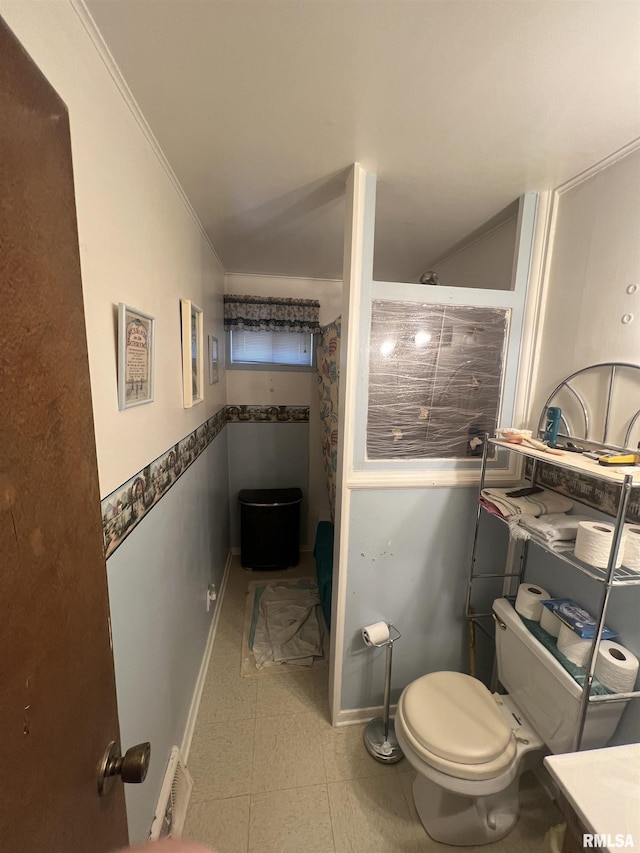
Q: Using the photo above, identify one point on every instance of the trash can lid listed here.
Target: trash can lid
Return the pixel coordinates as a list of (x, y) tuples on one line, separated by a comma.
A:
[(270, 497)]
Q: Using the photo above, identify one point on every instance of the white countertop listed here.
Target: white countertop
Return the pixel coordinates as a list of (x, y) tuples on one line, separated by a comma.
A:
[(603, 787)]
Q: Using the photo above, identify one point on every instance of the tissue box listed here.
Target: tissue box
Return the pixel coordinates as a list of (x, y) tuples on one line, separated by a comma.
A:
[(576, 617)]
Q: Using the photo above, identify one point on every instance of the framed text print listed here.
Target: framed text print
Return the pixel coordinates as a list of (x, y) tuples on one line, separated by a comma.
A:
[(213, 360), (192, 353), (135, 357)]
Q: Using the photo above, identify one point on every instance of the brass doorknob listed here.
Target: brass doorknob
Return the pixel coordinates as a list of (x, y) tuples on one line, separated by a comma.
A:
[(131, 767)]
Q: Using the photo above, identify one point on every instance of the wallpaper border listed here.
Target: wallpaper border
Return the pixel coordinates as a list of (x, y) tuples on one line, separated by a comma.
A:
[(237, 414), (125, 507)]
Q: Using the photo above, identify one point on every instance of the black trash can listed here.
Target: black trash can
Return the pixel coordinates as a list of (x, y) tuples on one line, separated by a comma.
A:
[(269, 528)]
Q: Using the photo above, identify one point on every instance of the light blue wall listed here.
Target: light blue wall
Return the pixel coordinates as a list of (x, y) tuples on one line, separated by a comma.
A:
[(267, 456), (409, 557), (409, 552), (157, 588)]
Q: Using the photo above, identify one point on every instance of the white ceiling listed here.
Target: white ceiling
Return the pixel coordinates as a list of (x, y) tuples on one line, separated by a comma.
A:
[(459, 106)]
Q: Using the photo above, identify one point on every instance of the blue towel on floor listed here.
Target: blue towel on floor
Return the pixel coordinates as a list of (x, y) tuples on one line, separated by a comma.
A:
[(323, 553)]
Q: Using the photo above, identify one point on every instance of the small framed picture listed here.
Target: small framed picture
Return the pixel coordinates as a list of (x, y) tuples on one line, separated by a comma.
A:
[(192, 353), (213, 360), (135, 357)]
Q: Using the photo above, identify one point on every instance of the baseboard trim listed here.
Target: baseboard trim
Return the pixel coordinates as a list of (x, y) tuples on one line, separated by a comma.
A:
[(204, 666), (353, 716)]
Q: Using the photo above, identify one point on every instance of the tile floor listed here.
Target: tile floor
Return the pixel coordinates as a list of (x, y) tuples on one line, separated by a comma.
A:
[(271, 774)]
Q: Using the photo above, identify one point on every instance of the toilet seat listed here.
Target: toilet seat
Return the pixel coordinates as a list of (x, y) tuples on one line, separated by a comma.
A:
[(453, 724)]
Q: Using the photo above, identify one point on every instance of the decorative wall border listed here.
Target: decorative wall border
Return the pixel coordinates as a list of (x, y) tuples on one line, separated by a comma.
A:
[(267, 414), (587, 490), (126, 506)]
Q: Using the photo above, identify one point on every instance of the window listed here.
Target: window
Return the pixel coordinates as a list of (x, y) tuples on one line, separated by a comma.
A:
[(294, 350), (271, 331)]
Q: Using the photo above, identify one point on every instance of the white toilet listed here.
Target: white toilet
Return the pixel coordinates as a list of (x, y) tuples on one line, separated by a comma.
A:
[(469, 746)]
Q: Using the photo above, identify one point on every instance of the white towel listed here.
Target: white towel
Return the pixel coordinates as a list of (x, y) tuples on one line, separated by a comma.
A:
[(542, 503), (289, 627), (556, 531)]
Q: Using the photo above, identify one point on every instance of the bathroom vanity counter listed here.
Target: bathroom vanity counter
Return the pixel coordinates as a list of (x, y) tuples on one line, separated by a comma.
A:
[(602, 786)]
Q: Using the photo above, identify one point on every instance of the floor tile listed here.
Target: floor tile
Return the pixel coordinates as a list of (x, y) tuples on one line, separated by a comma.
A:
[(288, 752), (372, 816), (227, 696), (228, 639), (272, 776), (345, 755), (320, 676), (221, 664), (222, 824), (233, 604), (291, 821), (288, 693), (221, 759)]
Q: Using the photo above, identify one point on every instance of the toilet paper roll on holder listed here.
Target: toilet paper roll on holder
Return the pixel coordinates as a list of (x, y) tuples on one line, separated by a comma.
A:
[(379, 735)]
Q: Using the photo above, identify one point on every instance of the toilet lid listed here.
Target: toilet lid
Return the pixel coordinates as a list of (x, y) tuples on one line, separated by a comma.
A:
[(455, 717)]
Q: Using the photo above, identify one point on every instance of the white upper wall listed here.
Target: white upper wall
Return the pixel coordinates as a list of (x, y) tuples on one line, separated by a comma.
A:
[(595, 256), (139, 241), (485, 263), (280, 387)]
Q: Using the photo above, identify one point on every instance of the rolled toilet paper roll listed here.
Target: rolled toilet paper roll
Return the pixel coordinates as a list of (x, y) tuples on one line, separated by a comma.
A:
[(529, 601), (593, 543), (631, 550), (550, 622), (376, 634), (573, 646), (616, 667)]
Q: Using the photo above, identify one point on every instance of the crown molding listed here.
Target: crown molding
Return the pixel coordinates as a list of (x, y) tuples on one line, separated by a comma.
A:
[(600, 166)]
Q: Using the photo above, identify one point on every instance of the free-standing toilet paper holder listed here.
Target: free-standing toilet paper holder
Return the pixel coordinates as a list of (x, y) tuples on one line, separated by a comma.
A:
[(380, 735)]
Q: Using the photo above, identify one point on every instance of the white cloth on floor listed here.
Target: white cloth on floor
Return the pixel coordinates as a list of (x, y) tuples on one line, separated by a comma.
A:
[(542, 503), (556, 531), (289, 627)]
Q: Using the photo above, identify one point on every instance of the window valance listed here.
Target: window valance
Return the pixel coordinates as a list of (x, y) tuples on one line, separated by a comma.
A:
[(271, 314)]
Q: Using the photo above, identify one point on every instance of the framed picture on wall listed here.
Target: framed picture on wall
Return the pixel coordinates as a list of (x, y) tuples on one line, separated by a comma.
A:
[(192, 353), (135, 357), (213, 360)]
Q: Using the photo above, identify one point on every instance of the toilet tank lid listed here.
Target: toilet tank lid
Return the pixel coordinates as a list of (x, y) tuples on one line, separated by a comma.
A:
[(454, 716)]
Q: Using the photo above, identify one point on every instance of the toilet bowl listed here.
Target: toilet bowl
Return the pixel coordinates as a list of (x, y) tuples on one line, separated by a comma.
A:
[(470, 747), (467, 747)]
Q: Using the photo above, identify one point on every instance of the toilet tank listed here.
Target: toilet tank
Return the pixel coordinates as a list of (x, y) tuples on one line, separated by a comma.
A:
[(543, 690)]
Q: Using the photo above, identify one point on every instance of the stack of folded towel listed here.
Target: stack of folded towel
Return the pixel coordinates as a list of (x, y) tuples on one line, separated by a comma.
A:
[(556, 531), (544, 502), (541, 517)]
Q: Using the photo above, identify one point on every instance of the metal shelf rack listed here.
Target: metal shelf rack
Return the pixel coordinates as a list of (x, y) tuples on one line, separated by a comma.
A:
[(609, 577)]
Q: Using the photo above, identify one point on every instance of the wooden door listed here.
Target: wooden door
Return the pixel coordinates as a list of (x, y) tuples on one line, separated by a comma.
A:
[(57, 703)]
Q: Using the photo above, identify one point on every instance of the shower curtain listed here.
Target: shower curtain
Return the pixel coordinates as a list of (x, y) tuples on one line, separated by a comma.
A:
[(328, 361)]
